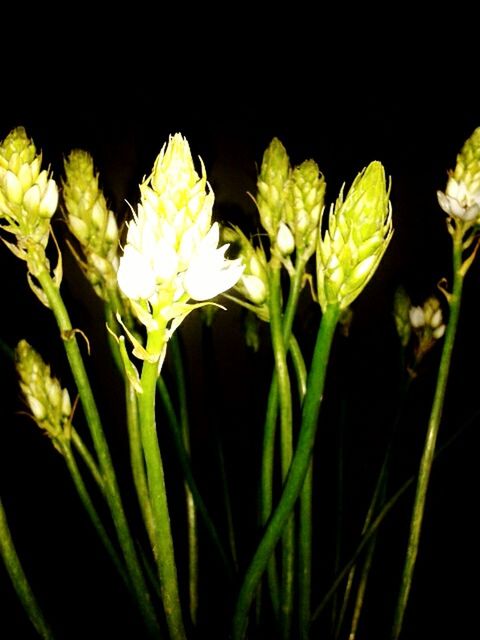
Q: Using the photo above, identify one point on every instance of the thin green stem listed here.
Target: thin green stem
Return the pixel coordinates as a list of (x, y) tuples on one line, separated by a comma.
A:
[(280, 396), (364, 575), (137, 461), (19, 579), (375, 524), (305, 524), (305, 555), (184, 460), (190, 503), (286, 441), (163, 548), (112, 493), (298, 470), (431, 436), (92, 512), (88, 460)]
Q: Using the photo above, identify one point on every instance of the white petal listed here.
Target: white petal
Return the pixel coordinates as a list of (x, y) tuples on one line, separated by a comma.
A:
[(135, 276)]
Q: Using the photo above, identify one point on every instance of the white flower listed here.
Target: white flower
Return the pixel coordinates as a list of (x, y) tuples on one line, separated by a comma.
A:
[(209, 273), (417, 317)]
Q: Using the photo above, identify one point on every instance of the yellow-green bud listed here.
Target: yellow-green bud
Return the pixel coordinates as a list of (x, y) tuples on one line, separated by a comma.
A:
[(305, 194), (49, 403), (90, 221), (461, 198), (359, 230), (28, 198), (271, 183), (401, 313)]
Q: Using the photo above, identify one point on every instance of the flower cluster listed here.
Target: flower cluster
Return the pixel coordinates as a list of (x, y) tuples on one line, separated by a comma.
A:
[(49, 403), (461, 198), (359, 230), (90, 221), (171, 253), (28, 199)]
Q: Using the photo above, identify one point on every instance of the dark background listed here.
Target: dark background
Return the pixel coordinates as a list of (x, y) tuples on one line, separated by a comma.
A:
[(411, 113)]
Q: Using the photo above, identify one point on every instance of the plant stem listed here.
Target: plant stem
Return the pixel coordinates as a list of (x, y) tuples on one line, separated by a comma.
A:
[(137, 461), (19, 579), (286, 444), (163, 548), (298, 469), (92, 512), (112, 493), (190, 504), (184, 460), (432, 432), (281, 331)]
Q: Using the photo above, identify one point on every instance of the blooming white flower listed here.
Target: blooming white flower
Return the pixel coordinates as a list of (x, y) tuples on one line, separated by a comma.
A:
[(171, 254), (209, 273)]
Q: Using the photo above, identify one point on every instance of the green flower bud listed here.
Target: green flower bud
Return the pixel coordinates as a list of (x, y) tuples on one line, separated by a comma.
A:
[(271, 183), (305, 194), (461, 198), (28, 199), (359, 230), (90, 221), (49, 403)]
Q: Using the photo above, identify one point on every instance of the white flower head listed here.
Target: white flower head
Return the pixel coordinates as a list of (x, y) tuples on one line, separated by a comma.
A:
[(171, 254), (209, 272)]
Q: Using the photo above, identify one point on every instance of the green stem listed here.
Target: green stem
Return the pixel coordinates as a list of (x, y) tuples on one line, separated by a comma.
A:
[(19, 579), (298, 469), (286, 441), (184, 460), (305, 524), (101, 448), (305, 555), (92, 512), (431, 437), (375, 524), (88, 460), (163, 547), (137, 461), (281, 330), (362, 585), (190, 503)]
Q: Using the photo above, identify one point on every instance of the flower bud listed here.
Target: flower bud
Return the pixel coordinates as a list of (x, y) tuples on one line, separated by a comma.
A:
[(271, 182), (359, 230), (49, 403)]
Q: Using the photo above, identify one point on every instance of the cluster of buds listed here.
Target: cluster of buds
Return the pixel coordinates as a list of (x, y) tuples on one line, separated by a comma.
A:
[(171, 255), (91, 222), (359, 230), (290, 202), (28, 199), (253, 283), (49, 404), (271, 183), (427, 324), (461, 199)]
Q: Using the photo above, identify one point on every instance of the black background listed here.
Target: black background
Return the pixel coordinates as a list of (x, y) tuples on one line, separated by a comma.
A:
[(413, 113)]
